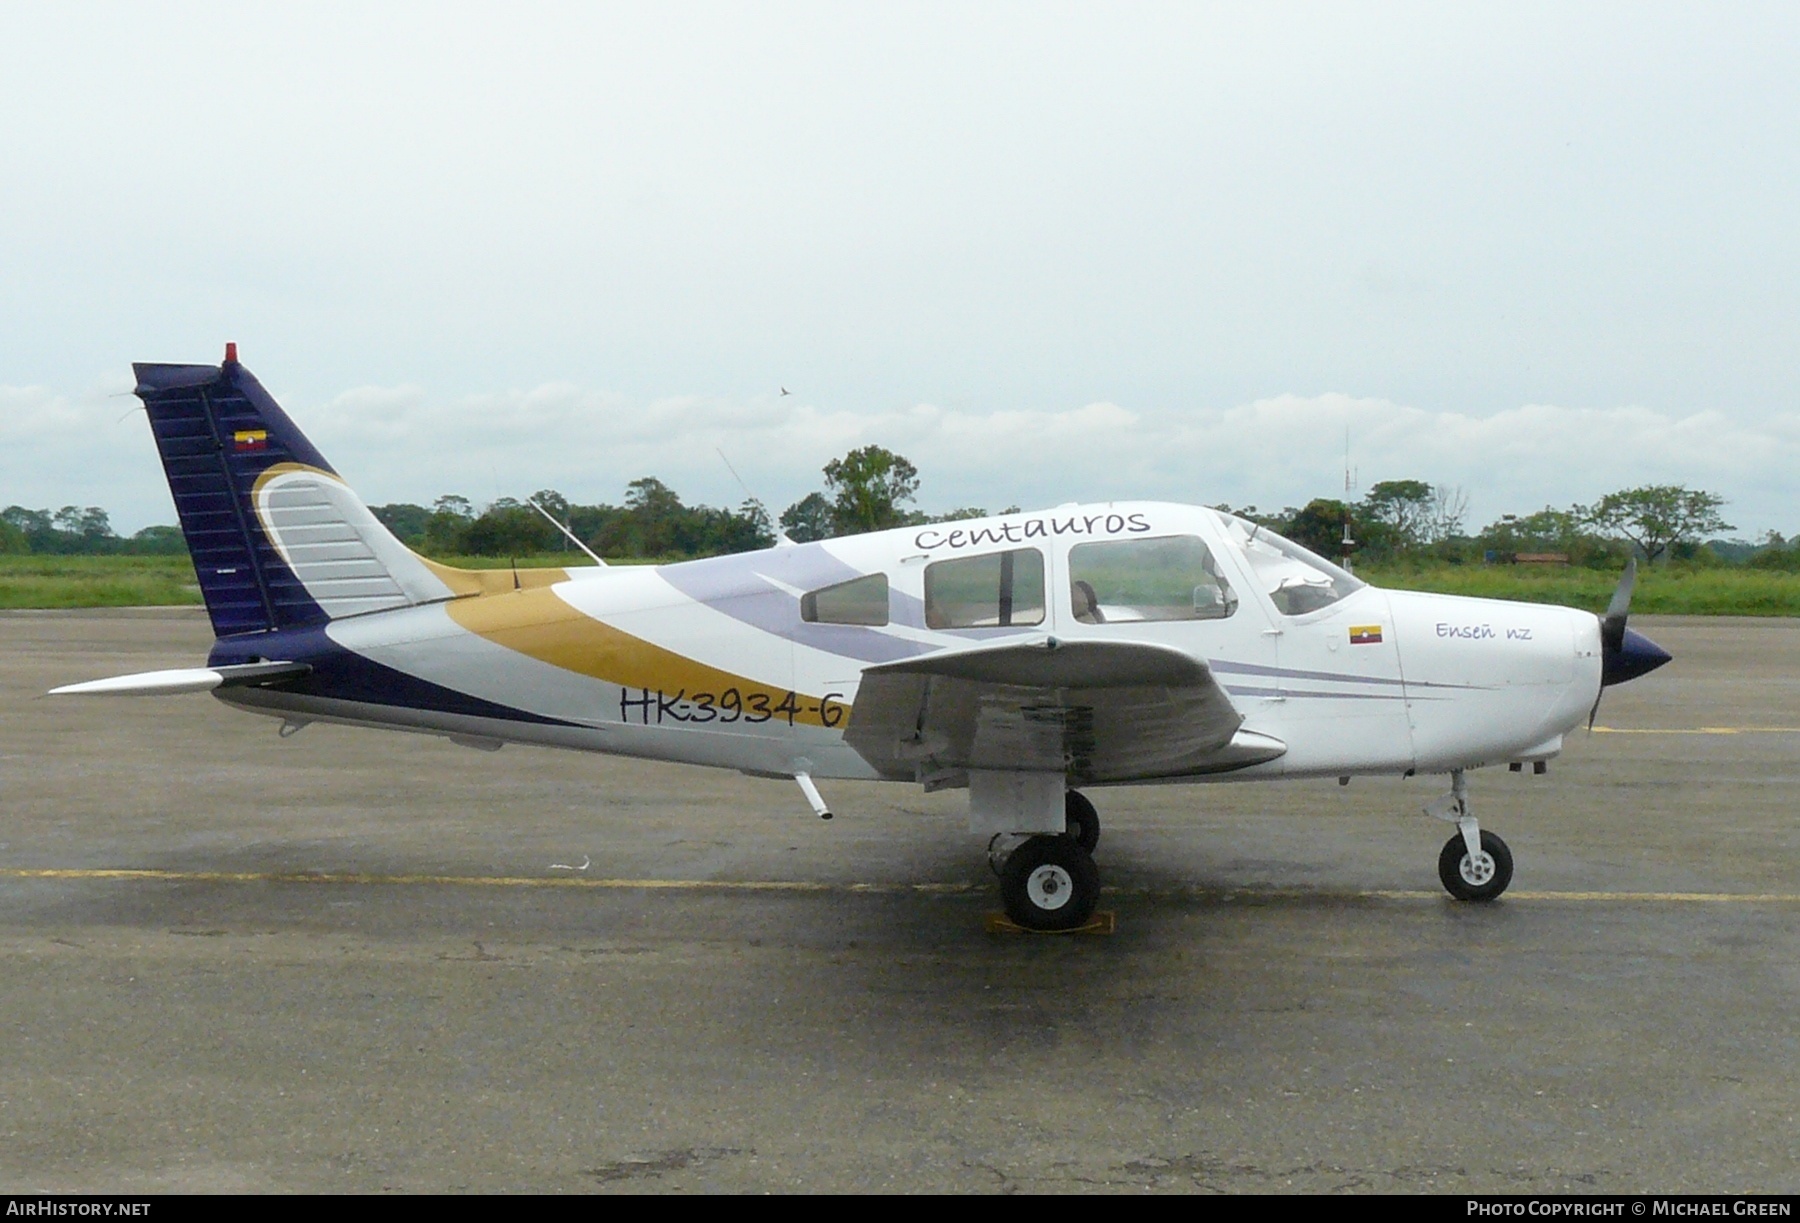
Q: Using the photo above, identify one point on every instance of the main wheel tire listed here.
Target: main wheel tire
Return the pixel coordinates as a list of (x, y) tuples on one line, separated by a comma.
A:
[(1468, 880), (1083, 820), (1050, 883)]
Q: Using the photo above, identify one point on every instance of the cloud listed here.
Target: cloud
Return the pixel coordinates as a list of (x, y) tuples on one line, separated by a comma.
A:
[(83, 448), (1273, 451), (405, 443)]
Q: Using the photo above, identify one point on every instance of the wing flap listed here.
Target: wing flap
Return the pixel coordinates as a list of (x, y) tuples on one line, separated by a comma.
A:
[(1050, 663)]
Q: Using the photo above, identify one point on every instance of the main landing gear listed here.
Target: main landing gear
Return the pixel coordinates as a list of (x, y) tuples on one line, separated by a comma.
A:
[(1083, 820), (1050, 882), (1474, 865)]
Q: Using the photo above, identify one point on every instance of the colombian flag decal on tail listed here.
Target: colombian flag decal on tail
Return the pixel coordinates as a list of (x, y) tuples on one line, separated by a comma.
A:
[(251, 439), (1365, 634)]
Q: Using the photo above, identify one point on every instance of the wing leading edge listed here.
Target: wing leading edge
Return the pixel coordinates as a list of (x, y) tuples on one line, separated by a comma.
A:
[(1093, 711)]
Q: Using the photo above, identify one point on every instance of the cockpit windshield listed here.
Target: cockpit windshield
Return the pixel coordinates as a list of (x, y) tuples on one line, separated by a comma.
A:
[(1297, 580)]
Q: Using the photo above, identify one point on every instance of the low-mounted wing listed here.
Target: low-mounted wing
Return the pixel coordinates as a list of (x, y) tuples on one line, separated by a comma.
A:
[(1094, 711)]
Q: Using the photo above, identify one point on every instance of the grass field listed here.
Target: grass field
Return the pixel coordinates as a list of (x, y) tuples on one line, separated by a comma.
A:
[(158, 581), (164, 581), (1668, 592), (96, 581)]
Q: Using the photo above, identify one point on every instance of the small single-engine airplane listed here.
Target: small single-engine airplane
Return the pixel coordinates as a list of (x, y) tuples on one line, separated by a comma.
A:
[(1019, 657)]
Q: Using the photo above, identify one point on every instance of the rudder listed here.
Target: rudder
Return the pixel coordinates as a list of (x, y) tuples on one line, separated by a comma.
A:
[(278, 540)]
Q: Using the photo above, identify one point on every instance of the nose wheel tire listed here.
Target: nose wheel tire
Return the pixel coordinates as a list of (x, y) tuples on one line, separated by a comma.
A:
[(1475, 879), (1083, 820), (1050, 883)]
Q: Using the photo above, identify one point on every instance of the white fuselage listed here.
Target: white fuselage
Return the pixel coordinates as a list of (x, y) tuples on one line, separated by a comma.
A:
[(710, 662)]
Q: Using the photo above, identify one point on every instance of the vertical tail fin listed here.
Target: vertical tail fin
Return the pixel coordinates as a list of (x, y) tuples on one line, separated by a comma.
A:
[(278, 540)]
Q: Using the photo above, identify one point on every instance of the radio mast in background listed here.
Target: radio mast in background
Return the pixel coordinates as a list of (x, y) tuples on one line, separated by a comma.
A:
[(1349, 544)]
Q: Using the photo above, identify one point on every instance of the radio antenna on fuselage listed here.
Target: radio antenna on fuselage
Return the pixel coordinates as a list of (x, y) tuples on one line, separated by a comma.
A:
[(781, 536), (565, 530)]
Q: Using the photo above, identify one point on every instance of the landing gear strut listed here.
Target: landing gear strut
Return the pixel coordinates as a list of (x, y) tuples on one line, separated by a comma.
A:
[(1474, 865)]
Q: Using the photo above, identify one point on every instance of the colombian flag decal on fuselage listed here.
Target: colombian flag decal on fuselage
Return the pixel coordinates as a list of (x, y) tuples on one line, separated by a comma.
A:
[(251, 439), (1365, 634)]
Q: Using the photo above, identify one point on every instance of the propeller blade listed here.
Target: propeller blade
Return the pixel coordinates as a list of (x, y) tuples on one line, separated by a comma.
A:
[(1624, 655), (1612, 624), (1612, 632)]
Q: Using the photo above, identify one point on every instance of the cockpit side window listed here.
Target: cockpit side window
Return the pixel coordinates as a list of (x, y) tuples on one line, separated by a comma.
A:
[(1298, 581), (1132, 580), (998, 590), (861, 600)]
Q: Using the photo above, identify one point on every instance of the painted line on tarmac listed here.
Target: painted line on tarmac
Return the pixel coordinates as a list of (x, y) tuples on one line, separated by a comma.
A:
[(1697, 730), (806, 886), (1256, 894), (1758, 898), (1755, 898), (488, 881)]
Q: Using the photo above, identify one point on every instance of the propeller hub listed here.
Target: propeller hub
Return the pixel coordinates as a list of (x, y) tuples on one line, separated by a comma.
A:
[(1635, 655)]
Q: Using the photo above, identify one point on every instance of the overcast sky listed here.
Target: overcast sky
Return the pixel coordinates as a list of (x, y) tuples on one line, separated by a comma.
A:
[(1048, 253)]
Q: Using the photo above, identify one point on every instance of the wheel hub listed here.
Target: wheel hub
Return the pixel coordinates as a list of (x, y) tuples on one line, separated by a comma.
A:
[(1050, 887), (1477, 871)]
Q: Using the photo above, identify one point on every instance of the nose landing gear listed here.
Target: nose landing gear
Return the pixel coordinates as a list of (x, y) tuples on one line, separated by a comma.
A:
[(1468, 877), (1474, 865)]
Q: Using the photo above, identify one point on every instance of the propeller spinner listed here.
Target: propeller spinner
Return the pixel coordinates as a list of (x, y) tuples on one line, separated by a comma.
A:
[(1624, 654)]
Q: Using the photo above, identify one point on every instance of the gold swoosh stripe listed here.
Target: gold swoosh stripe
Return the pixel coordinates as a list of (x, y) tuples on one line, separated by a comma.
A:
[(540, 625), (465, 582), (515, 608)]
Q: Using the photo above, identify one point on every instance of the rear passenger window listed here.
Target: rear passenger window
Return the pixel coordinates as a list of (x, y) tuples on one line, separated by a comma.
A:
[(999, 590), (861, 600)]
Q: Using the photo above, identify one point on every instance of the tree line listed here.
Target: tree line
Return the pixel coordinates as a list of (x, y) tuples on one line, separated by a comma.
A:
[(868, 489), (871, 489), (652, 523), (80, 531), (1402, 520)]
